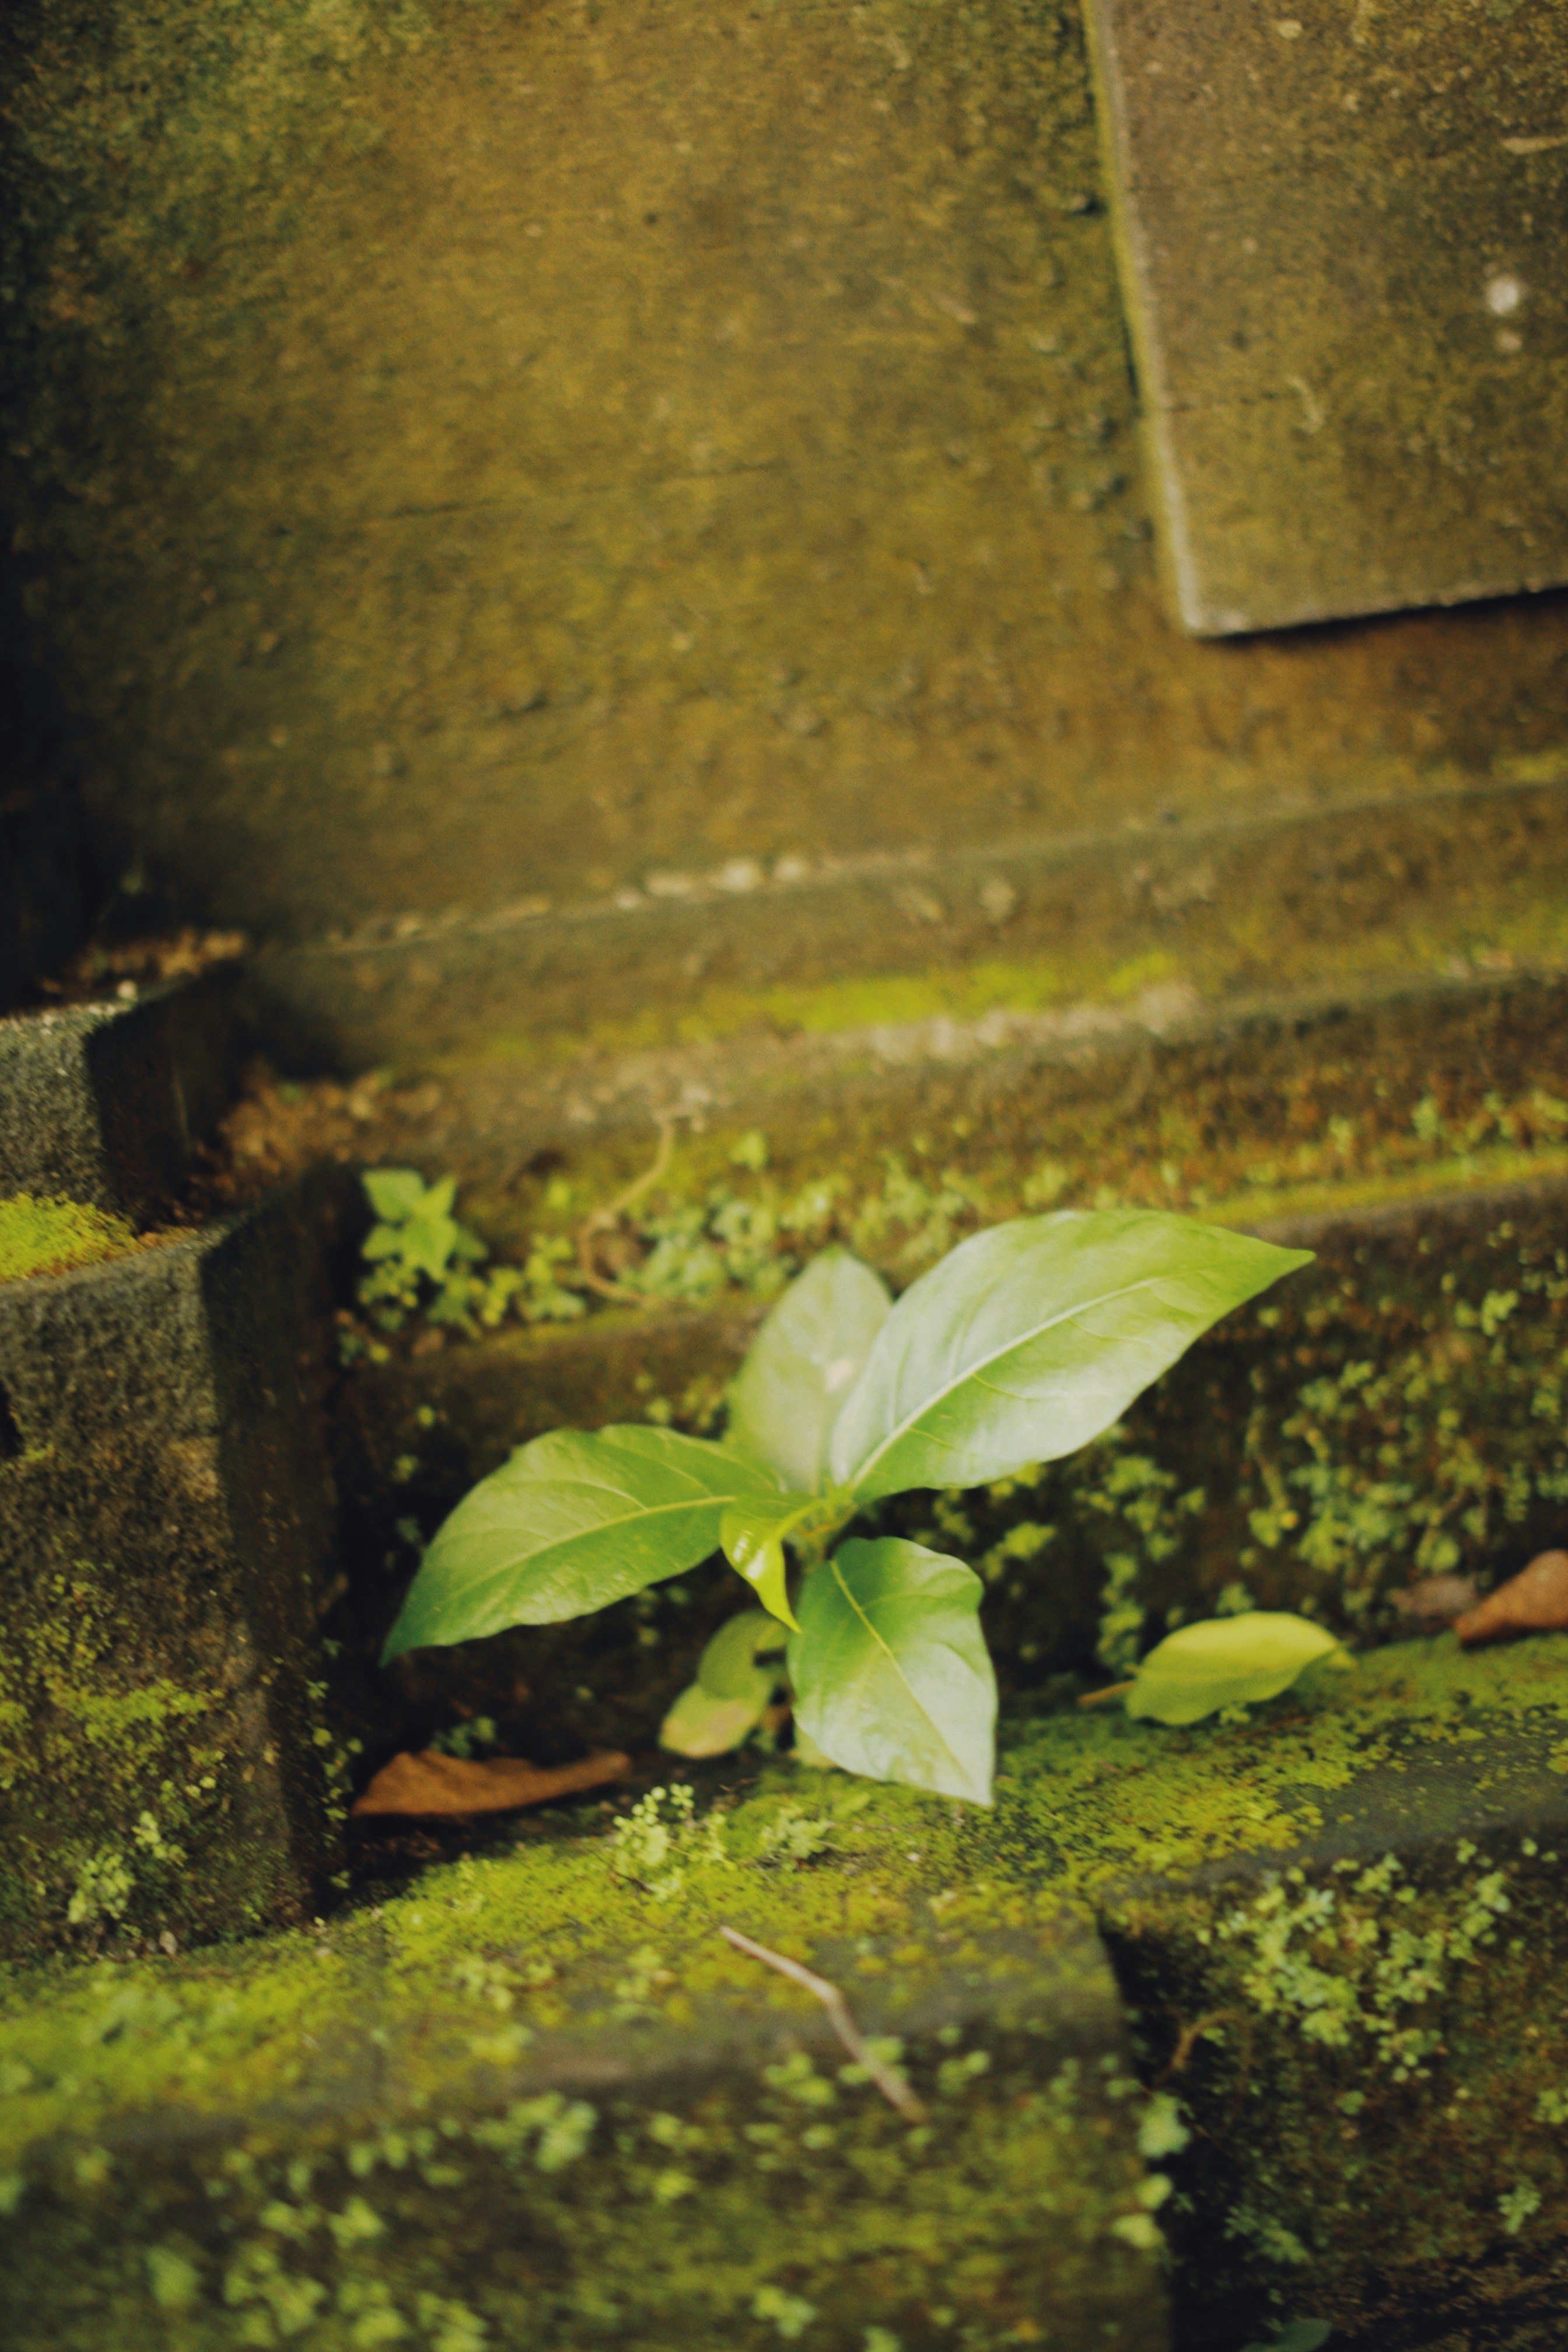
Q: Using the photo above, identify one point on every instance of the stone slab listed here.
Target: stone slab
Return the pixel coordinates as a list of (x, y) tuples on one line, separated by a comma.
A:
[(109, 1102), (166, 1536), (1338, 233)]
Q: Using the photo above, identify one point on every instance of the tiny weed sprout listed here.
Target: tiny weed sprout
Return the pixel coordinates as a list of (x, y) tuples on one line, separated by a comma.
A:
[(1022, 1344)]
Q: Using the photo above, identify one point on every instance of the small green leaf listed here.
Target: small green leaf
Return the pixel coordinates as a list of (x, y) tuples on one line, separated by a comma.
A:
[(700, 1725), (1030, 1339), (729, 1667), (571, 1523), (426, 1242), (803, 1364), (1225, 1662), (891, 1675), (395, 1193), (753, 1535)]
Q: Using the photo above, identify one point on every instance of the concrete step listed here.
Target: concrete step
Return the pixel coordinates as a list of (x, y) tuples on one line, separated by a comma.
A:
[(167, 1539), (532, 2095), (1300, 892), (111, 1102)]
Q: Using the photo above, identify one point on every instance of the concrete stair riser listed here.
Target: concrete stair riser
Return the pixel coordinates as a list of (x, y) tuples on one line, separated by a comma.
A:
[(168, 1535)]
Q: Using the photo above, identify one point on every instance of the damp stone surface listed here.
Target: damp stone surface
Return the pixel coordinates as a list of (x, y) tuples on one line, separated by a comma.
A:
[(534, 2090)]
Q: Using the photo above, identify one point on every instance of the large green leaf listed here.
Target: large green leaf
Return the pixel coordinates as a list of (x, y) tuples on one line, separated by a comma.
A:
[(1029, 1340), (571, 1523), (803, 1364), (891, 1670), (1225, 1662)]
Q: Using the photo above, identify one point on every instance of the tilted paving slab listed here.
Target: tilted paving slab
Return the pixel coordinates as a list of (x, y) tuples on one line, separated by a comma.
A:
[(531, 2095), (108, 1103), (166, 1534), (1338, 240)]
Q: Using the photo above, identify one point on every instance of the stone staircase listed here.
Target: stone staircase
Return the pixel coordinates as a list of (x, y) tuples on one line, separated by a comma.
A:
[(432, 2113), (759, 728)]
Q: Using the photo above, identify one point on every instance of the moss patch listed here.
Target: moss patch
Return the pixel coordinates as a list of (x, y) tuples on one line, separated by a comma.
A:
[(40, 1236), (372, 2088)]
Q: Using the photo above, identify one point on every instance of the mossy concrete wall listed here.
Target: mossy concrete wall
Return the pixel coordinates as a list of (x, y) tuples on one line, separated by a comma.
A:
[(475, 454), (111, 1103)]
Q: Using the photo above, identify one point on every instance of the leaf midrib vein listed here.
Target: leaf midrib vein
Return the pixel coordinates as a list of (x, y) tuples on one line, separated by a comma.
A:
[(893, 1661), (969, 1371)]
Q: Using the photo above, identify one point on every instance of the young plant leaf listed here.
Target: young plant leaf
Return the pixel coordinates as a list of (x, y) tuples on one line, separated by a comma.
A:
[(744, 1659), (891, 1670), (569, 1524), (1224, 1662), (753, 1535), (1030, 1339), (736, 1677), (396, 1193), (700, 1725), (803, 1364)]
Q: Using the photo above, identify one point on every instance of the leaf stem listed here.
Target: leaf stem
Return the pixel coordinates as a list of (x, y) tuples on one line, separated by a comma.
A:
[(888, 2080), (1099, 1697)]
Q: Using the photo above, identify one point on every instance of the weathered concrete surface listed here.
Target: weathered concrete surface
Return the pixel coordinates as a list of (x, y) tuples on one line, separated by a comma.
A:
[(1274, 896), (672, 2161), (1340, 246), (166, 1536), (109, 1102), (476, 459)]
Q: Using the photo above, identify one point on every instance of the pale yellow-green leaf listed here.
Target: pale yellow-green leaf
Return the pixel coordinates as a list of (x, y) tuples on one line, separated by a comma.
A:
[(700, 1725), (1225, 1662)]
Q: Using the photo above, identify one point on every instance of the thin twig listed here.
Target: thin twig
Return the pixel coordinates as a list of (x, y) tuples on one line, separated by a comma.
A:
[(888, 2079), (1099, 1697), (1191, 2035), (601, 1220)]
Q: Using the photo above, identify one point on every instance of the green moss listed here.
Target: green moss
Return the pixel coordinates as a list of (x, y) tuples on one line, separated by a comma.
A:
[(40, 1236), (126, 1789), (377, 2090)]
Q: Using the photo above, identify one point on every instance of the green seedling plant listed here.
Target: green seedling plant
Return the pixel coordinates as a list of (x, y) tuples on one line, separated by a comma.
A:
[(417, 1256), (1021, 1345)]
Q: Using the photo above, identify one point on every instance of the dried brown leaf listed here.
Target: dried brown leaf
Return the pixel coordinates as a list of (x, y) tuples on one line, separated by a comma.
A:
[(1533, 1601), (420, 1786)]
